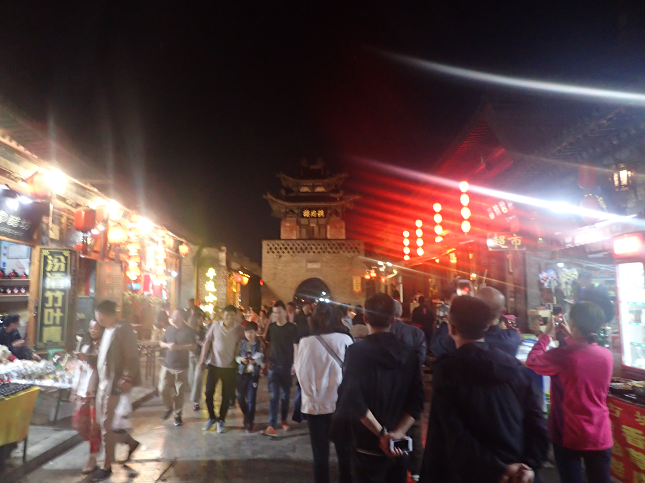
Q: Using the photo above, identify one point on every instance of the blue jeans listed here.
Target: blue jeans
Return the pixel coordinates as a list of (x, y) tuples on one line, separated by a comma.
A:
[(569, 464), (247, 391), (279, 391)]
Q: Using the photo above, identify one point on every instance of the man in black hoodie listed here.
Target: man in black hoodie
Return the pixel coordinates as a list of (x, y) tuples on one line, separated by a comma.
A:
[(381, 395), (485, 422)]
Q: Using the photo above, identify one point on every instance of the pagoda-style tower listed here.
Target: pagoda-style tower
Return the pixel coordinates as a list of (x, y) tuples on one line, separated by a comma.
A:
[(312, 206), (312, 259)]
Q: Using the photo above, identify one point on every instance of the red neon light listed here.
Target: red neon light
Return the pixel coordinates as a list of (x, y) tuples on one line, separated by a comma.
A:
[(628, 245)]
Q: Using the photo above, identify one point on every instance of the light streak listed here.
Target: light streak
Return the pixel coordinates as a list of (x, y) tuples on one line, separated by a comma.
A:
[(518, 82)]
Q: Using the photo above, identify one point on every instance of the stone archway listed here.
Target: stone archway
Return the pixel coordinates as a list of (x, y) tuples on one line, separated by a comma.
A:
[(311, 290)]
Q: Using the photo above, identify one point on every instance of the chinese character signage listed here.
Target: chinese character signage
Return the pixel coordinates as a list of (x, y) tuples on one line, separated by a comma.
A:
[(313, 213), (357, 284), (55, 297), (20, 220), (505, 241), (628, 453)]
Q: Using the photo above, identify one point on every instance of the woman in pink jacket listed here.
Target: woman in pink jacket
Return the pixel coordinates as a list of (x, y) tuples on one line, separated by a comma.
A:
[(580, 373)]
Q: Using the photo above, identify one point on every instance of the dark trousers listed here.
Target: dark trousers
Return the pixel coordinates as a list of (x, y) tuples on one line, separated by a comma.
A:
[(569, 464), (247, 391), (416, 457), (319, 427), (228, 377), (379, 469), (279, 391)]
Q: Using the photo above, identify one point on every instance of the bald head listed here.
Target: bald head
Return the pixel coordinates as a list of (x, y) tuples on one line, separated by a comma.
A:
[(495, 300)]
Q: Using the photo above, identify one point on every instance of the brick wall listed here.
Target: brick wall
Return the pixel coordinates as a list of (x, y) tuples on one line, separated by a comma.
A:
[(287, 263)]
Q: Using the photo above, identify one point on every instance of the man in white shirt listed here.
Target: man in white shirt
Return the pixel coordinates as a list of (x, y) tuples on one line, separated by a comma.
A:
[(218, 354)]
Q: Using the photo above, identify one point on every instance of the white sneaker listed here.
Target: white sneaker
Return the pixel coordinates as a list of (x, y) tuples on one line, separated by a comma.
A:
[(220, 427), (415, 477)]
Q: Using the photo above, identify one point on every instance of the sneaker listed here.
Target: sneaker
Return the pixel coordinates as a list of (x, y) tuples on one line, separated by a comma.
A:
[(196, 407), (285, 425), (249, 428), (166, 415), (178, 421), (209, 424), (220, 427), (415, 477), (270, 431)]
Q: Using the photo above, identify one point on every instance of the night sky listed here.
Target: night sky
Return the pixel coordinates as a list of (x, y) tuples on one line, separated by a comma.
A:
[(195, 106)]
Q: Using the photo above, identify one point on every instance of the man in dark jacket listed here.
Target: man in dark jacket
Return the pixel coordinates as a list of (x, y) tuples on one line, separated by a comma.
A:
[(589, 292), (381, 395), (506, 340), (485, 422), (424, 317)]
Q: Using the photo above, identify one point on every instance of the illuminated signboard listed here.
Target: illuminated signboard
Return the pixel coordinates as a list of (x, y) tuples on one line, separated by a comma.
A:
[(628, 245), (313, 213), (505, 241), (56, 297)]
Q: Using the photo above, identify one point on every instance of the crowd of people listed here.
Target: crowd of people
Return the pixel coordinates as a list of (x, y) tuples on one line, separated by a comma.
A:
[(360, 386)]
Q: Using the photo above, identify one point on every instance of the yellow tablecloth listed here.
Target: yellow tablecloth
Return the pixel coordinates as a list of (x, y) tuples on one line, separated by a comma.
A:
[(15, 415)]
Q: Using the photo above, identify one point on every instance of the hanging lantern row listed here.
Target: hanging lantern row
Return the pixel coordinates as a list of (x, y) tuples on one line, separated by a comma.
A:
[(465, 211), (438, 229)]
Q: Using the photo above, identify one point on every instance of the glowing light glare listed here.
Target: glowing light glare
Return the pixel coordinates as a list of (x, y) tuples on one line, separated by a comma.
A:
[(465, 226), (407, 257), (465, 213), (436, 207), (12, 203), (628, 245), (463, 186), (114, 210), (406, 250), (438, 218), (418, 223), (465, 199), (419, 233), (419, 242), (406, 234), (144, 225), (438, 229), (437, 239), (57, 181), (406, 242), (520, 83), (420, 251)]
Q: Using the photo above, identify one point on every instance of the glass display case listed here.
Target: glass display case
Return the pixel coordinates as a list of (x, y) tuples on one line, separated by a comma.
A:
[(630, 281)]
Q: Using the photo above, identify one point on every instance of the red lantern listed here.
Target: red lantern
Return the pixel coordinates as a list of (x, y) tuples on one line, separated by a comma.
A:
[(184, 250), (237, 278), (39, 187), (84, 219), (117, 235)]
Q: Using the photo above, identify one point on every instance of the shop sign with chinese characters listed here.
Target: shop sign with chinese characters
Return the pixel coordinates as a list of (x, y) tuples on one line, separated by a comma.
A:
[(20, 220), (357, 284), (313, 213), (505, 241), (628, 453), (55, 297)]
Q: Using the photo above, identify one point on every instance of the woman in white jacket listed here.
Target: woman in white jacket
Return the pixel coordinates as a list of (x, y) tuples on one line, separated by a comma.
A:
[(319, 369)]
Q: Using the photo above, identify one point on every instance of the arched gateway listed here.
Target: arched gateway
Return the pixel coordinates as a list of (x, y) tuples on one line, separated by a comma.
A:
[(311, 290)]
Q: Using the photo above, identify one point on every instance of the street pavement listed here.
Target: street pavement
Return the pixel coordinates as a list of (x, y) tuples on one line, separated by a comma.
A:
[(172, 454)]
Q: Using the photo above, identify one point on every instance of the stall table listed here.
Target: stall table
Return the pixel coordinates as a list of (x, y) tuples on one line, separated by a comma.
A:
[(16, 411), (628, 428)]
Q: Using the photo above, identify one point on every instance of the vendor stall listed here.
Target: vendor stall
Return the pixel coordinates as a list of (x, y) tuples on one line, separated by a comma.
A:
[(17, 403)]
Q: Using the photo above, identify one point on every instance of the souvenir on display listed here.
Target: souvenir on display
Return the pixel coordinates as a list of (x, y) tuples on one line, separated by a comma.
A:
[(13, 274)]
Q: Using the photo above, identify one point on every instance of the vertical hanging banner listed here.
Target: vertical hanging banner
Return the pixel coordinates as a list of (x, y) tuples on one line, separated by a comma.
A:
[(357, 284), (55, 297)]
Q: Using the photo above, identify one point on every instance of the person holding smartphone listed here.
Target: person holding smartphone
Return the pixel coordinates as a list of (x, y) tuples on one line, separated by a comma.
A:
[(10, 338), (579, 423)]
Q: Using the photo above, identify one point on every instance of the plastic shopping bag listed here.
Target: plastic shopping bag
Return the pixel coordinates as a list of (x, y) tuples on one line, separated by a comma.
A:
[(122, 414)]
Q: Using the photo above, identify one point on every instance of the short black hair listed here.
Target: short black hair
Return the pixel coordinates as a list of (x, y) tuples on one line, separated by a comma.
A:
[(107, 307), (470, 316), (279, 303), (379, 310), (251, 326), (292, 304), (584, 274), (326, 319), (422, 300), (230, 308), (588, 318), (10, 319)]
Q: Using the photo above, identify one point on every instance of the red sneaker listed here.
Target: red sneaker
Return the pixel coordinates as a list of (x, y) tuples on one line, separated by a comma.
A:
[(270, 432)]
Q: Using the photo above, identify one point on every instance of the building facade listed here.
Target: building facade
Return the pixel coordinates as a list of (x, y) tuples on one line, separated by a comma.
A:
[(313, 260)]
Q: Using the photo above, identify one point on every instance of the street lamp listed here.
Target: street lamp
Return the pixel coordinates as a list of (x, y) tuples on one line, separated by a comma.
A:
[(623, 178)]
